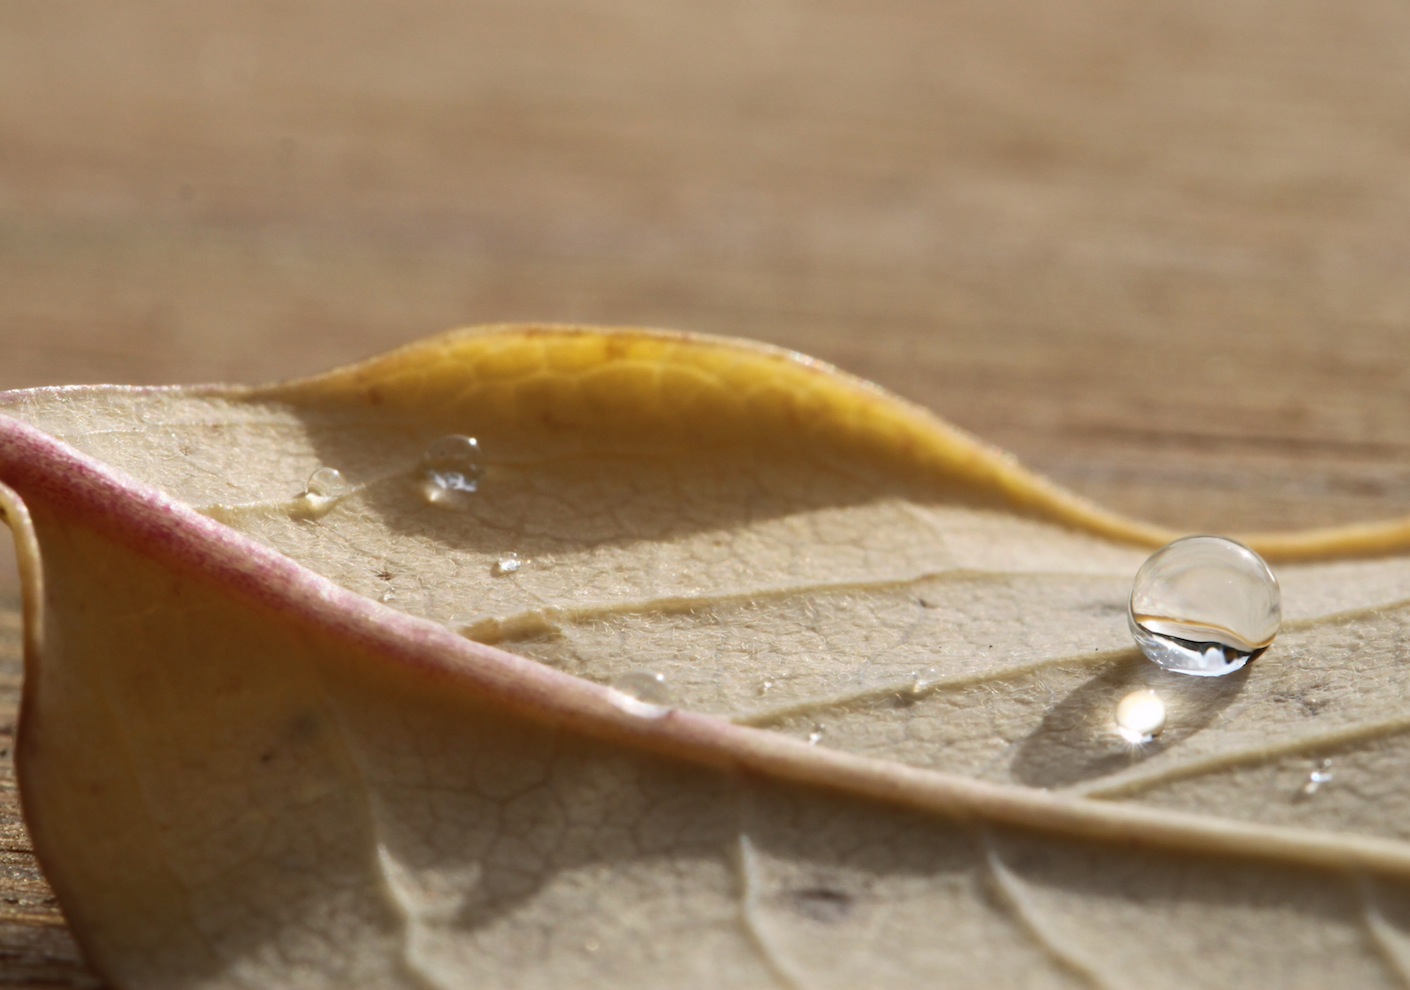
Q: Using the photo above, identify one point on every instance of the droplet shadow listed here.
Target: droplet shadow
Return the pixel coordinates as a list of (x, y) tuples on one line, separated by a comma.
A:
[(1077, 740)]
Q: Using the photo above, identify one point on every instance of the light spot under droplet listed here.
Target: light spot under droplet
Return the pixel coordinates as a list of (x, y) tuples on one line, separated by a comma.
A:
[(1204, 605), (642, 692), (1140, 716), (507, 564), (450, 471)]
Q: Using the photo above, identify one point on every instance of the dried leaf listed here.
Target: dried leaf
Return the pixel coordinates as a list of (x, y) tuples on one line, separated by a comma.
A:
[(363, 737)]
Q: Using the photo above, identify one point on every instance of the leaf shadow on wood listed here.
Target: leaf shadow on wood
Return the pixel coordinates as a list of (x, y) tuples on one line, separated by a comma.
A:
[(1077, 741)]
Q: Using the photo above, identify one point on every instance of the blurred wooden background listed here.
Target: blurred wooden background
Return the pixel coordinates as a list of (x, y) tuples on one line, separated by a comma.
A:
[(1161, 251)]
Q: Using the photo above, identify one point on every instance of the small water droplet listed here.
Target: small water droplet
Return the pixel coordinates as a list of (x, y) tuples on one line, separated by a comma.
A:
[(1140, 716), (644, 685), (387, 596), (921, 680), (322, 491), (1315, 779), (327, 482), (508, 564), (642, 692), (450, 471), (766, 686), (816, 735), (1204, 605)]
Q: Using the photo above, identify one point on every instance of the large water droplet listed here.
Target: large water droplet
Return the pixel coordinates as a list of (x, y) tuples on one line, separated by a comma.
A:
[(1140, 716), (642, 692), (1204, 605), (450, 471)]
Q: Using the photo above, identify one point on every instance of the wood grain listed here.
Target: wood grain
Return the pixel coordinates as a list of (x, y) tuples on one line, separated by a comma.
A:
[(36, 949), (1160, 251)]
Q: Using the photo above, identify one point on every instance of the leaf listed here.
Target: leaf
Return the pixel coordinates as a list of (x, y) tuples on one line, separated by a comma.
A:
[(277, 740)]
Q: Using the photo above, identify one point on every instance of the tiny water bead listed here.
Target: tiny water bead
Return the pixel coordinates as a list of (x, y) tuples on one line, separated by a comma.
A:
[(816, 735), (507, 564), (1140, 716), (1204, 605), (450, 471), (642, 692), (923, 680), (644, 685), (327, 482), (323, 489), (1315, 779)]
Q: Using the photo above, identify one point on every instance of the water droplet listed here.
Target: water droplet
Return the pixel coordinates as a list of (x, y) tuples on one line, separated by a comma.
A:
[(923, 679), (644, 685), (1315, 779), (450, 471), (327, 482), (1140, 716), (1204, 605), (322, 491), (816, 735), (508, 564), (766, 686), (642, 692)]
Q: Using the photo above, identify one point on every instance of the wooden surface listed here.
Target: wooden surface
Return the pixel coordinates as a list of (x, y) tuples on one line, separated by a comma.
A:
[(1161, 251)]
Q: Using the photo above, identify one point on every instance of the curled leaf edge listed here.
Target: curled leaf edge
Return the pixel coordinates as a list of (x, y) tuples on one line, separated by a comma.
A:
[(146, 521)]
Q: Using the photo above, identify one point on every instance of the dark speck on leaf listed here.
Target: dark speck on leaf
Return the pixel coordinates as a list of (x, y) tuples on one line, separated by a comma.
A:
[(825, 904)]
